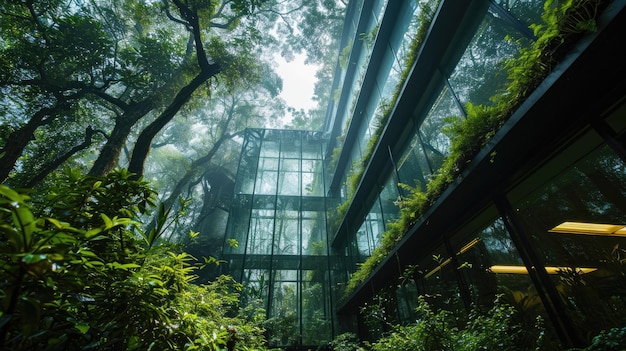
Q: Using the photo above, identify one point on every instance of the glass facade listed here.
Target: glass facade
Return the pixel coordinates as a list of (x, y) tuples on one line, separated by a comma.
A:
[(276, 243), (535, 219)]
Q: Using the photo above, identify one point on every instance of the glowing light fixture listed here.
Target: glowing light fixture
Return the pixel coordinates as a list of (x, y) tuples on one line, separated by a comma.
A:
[(523, 270), (589, 228), (448, 260)]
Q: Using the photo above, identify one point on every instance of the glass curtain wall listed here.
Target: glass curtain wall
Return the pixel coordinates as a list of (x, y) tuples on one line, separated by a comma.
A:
[(476, 77), (553, 249), (366, 121), (276, 244), (569, 219), (575, 218)]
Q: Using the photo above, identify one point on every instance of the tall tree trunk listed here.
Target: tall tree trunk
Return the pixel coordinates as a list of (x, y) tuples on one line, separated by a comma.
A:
[(19, 139), (142, 145), (207, 70), (47, 169), (109, 155), (193, 171)]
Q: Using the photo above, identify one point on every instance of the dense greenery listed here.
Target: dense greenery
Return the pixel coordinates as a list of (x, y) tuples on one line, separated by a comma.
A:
[(500, 328), (78, 273), (563, 23)]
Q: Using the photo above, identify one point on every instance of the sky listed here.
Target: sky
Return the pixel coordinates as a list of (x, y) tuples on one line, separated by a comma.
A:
[(298, 82)]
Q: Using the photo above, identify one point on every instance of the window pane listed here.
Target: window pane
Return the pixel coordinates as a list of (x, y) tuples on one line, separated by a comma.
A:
[(572, 220)]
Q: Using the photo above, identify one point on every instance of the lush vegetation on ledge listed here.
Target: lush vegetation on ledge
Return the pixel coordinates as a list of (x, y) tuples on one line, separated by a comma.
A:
[(384, 110), (563, 25)]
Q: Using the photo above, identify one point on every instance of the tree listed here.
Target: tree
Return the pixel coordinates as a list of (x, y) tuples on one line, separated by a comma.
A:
[(77, 273), (132, 61), (317, 34)]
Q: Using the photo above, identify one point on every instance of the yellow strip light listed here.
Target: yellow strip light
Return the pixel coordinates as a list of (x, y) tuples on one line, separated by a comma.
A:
[(523, 270), (589, 228), (463, 250)]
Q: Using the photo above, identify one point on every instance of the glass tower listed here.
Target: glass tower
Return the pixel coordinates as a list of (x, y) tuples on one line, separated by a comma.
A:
[(276, 239)]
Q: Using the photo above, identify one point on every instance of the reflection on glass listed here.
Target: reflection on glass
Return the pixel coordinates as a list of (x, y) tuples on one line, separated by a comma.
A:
[(436, 281), (589, 197), (490, 266)]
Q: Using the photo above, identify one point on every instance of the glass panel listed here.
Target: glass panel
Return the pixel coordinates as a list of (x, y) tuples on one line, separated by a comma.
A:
[(364, 242), (434, 140), (238, 229), (313, 239), (574, 221), (437, 282), (316, 323), (283, 323), (388, 201), (255, 287), (483, 257), (289, 181), (388, 76), (526, 11), (407, 297), (267, 176), (290, 144), (479, 74), (248, 163), (270, 145), (260, 234), (312, 181), (413, 168), (406, 30)]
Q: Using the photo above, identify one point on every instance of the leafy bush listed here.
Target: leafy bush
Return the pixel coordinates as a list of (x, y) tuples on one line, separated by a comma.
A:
[(497, 329), (346, 342), (612, 340), (77, 273)]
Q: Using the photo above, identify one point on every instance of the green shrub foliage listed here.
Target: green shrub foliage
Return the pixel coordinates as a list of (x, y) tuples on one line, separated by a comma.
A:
[(78, 273), (497, 329)]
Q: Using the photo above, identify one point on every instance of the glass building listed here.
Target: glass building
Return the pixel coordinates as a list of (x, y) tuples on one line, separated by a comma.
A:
[(436, 175)]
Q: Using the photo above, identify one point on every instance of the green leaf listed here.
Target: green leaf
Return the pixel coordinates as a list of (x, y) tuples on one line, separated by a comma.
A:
[(126, 266), (93, 232), (56, 223), (82, 327), (12, 194), (13, 236), (108, 223), (33, 258), (26, 224)]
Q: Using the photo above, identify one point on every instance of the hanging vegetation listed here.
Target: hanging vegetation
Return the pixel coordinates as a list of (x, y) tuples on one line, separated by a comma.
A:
[(563, 25)]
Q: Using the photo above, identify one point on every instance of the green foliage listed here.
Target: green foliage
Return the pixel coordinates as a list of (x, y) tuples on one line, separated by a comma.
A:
[(344, 55), (498, 329), (76, 274), (563, 23), (614, 339), (346, 342)]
